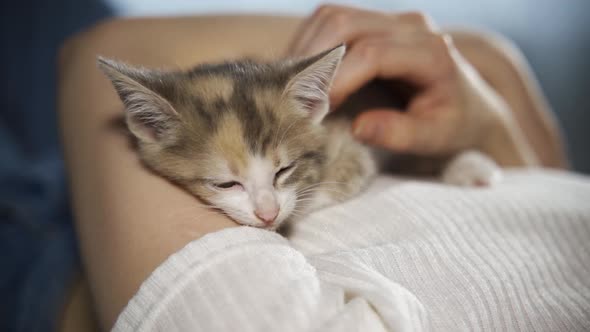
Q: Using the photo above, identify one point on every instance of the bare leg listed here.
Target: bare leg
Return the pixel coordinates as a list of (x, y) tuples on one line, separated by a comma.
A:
[(128, 220)]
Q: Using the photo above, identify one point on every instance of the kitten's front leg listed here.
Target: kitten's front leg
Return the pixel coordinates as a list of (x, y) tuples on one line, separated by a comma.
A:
[(472, 169)]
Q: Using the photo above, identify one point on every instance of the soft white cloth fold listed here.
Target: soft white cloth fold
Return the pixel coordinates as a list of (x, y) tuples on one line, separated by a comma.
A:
[(404, 256)]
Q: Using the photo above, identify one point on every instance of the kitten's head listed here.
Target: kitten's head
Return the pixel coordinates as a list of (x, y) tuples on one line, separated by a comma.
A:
[(244, 136)]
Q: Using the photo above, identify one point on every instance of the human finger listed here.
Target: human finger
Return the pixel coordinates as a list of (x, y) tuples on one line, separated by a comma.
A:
[(344, 26), (388, 58), (393, 130), (303, 32)]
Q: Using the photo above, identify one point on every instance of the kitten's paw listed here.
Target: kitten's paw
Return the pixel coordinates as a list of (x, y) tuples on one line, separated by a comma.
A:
[(472, 169)]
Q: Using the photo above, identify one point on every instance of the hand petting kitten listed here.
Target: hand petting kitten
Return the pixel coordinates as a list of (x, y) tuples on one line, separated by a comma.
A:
[(453, 110)]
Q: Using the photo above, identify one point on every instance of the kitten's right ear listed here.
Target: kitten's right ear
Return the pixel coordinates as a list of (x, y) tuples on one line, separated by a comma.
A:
[(149, 116), (311, 85)]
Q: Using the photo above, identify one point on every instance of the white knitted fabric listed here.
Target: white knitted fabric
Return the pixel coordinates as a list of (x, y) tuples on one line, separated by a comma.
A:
[(404, 256)]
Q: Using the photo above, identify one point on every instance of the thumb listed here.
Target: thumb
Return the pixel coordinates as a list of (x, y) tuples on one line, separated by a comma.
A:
[(391, 129)]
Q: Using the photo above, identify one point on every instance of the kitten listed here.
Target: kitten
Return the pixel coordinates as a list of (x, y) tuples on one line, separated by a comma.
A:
[(247, 137)]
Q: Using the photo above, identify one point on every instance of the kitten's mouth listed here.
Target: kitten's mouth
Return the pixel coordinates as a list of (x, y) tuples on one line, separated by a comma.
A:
[(270, 226)]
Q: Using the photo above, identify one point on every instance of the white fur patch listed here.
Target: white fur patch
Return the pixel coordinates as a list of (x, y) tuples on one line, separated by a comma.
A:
[(472, 168)]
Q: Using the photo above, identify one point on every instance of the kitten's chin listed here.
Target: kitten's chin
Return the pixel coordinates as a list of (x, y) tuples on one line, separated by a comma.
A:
[(273, 227), (254, 223), (269, 227)]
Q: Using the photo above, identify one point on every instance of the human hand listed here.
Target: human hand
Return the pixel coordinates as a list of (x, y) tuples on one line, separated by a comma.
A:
[(453, 110)]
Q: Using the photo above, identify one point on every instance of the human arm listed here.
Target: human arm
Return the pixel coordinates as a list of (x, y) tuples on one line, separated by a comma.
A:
[(473, 92), (501, 64)]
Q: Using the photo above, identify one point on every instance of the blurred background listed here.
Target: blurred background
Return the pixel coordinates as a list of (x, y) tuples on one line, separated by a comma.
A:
[(38, 251)]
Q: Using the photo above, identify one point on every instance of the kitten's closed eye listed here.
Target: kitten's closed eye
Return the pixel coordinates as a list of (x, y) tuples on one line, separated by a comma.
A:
[(281, 173), (228, 185)]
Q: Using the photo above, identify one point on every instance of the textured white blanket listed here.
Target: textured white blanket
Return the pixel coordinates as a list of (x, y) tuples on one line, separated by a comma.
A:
[(405, 256)]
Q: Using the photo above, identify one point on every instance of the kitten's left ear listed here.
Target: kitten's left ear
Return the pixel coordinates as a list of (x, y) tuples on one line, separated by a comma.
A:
[(310, 86), (149, 115)]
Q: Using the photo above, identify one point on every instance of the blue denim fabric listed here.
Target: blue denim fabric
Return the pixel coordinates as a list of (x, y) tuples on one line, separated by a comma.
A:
[(38, 253)]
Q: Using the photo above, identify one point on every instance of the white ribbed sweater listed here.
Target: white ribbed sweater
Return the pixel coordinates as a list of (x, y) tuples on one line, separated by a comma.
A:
[(404, 256)]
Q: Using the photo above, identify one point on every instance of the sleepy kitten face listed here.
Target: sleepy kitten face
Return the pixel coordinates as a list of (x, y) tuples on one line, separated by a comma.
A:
[(243, 136)]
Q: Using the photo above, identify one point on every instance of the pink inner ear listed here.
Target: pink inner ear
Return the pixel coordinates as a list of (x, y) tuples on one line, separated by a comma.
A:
[(310, 87), (142, 129), (310, 90), (308, 103)]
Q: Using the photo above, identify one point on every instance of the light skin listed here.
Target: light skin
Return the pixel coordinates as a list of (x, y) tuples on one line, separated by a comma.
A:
[(128, 220)]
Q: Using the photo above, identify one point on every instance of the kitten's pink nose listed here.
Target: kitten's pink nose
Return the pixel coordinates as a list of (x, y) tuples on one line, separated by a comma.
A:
[(267, 216)]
